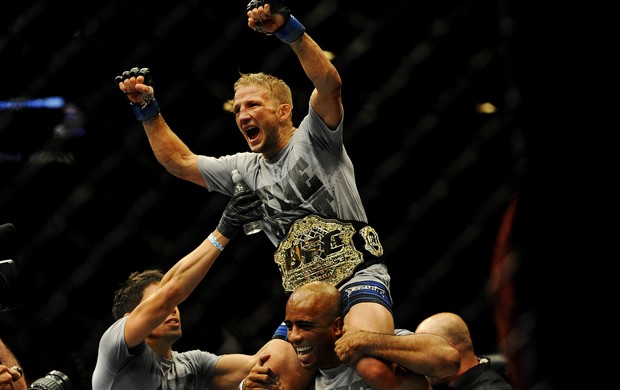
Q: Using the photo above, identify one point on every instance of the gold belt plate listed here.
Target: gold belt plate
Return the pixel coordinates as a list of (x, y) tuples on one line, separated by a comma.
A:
[(317, 249)]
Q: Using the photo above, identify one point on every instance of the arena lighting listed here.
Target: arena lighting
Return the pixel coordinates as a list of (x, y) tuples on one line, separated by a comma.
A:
[(48, 102)]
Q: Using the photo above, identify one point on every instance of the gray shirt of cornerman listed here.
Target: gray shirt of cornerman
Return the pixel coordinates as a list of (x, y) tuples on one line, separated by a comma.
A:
[(344, 377), (313, 174), (117, 368), (337, 378)]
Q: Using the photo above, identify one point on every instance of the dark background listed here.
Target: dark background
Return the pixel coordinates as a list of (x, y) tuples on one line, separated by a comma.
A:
[(91, 204)]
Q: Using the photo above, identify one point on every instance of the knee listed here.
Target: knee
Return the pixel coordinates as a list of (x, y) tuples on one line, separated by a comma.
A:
[(283, 361), (377, 373)]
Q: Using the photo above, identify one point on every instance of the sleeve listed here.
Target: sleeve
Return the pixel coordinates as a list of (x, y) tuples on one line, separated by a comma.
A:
[(320, 134), (216, 171), (203, 364), (113, 353), (112, 347)]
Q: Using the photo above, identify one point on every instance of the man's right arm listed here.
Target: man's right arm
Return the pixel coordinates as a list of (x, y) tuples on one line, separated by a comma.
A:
[(171, 152), (168, 148)]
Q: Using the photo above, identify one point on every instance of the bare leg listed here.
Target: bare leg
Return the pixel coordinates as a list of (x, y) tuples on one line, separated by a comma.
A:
[(284, 362)]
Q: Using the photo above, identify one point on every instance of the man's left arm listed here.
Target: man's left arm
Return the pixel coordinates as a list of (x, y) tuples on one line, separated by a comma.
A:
[(274, 17), (425, 354)]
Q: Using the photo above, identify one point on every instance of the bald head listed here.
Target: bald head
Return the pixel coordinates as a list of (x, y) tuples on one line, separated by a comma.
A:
[(314, 298), (455, 330), (448, 325)]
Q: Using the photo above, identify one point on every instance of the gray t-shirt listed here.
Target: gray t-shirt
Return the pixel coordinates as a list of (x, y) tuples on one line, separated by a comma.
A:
[(344, 377), (117, 368), (312, 175), (339, 378)]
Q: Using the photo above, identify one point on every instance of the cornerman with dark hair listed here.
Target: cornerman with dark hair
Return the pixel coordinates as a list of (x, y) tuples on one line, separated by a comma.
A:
[(135, 352)]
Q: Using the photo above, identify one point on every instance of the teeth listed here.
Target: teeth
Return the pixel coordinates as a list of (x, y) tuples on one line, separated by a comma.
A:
[(303, 350)]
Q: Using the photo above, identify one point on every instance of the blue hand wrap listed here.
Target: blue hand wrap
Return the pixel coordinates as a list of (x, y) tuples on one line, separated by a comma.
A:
[(146, 112), (291, 31)]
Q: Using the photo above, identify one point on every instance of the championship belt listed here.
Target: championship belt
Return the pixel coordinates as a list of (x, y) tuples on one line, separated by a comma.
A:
[(323, 249)]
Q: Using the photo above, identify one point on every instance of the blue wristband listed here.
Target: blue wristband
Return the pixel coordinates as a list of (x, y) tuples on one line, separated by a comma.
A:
[(215, 242), (291, 31), (147, 112)]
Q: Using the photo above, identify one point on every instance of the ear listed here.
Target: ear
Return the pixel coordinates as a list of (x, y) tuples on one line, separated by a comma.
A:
[(284, 112), (338, 324)]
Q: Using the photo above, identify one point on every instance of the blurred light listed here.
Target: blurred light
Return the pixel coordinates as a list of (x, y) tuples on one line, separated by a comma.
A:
[(49, 102), (486, 108), (228, 105)]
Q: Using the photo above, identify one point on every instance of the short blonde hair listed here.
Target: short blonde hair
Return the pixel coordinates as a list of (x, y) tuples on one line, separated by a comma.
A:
[(279, 90)]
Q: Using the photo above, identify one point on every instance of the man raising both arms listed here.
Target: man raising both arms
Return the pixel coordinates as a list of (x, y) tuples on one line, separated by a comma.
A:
[(311, 208)]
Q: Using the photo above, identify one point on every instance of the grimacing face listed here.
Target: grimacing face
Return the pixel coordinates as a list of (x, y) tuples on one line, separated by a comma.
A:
[(257, 116)]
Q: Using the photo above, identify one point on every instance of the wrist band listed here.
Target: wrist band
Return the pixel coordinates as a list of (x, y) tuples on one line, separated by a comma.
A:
[(291, 31), (215, 242), (146, 112), (241, 384)]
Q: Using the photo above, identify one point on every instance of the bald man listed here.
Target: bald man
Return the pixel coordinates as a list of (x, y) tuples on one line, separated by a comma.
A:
[(475, 372), (315, 329)]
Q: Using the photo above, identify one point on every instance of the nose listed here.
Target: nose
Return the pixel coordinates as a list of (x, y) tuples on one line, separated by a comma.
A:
[(294, 335)]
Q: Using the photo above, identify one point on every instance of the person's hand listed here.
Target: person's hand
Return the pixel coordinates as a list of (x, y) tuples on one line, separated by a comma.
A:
[(261, 377), (243, 207), (267, 16), (347, 346), (137, 84), (8, 376)]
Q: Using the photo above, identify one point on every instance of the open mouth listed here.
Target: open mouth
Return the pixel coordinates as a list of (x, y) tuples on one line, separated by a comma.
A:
[(252, 133), (173, 321), (304, 355)]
